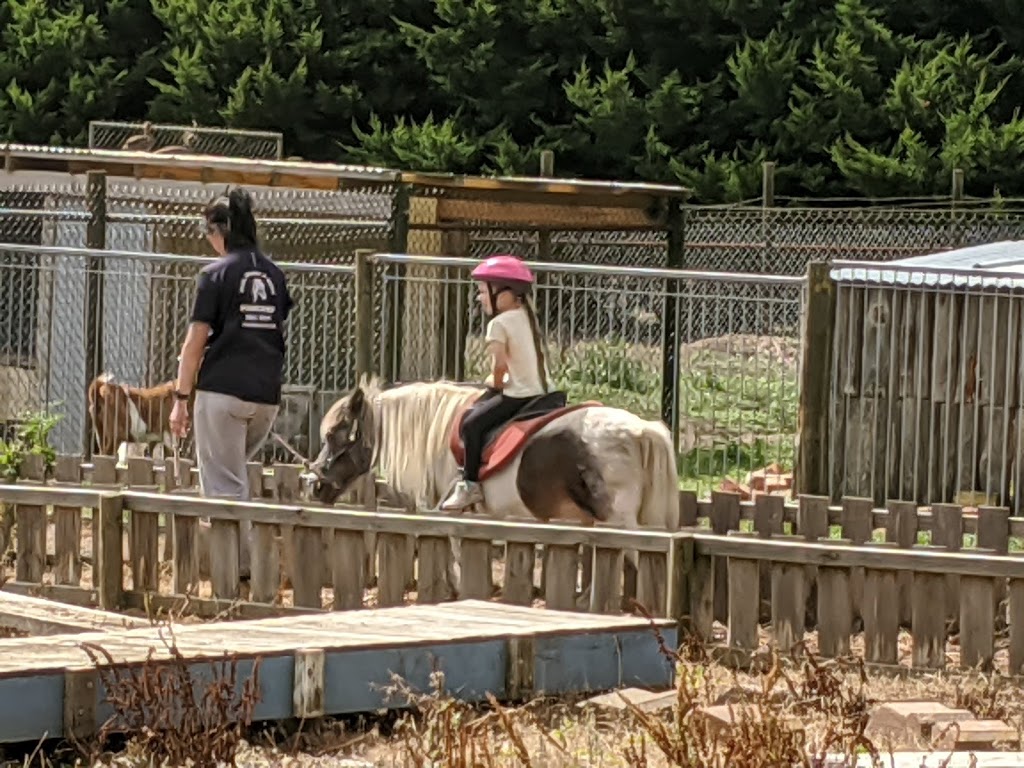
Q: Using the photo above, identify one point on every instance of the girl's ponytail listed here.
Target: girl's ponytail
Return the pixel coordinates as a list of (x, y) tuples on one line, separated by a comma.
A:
[(538, 343)]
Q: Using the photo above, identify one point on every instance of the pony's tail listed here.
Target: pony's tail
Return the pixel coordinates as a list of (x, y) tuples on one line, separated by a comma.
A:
[(96, 409), (660, 504)]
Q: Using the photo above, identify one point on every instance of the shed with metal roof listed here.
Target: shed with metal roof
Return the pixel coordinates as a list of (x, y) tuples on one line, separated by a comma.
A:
[(927, 378)]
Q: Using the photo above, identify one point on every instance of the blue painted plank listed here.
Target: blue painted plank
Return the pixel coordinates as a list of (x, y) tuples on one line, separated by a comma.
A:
[(31, 707), (355, 681), (275, 685), (599, 661)]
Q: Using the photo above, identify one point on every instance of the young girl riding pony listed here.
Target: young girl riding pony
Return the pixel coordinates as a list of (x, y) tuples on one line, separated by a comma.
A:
[(518, 372)]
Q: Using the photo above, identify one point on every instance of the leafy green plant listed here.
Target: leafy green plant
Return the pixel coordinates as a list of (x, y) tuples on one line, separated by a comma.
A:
[(30, 439)]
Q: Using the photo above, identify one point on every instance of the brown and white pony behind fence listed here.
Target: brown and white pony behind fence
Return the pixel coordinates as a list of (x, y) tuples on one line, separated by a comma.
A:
[(129, 420), (591, 463)]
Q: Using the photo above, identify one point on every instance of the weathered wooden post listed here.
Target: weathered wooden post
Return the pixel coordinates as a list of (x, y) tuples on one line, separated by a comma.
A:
[(811, 471), (96, 240), (364, 314)]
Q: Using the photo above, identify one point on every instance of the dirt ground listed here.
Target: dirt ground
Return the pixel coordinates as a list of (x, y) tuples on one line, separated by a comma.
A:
[(563, 734)]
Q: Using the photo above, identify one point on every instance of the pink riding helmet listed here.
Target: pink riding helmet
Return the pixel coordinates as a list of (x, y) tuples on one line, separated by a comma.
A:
[(503, 269)]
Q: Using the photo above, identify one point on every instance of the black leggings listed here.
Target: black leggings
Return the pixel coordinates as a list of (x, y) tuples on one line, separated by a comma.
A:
[(486, 413)]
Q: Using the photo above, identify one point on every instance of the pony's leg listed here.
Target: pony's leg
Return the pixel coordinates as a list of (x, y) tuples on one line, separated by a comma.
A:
[(587, 570), (411, 553)]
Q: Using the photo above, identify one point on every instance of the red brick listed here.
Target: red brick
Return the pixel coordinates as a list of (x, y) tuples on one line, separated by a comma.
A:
[(731, 486), (759, 479)]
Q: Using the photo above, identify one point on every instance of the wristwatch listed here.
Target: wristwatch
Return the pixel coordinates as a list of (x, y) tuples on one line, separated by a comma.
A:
[(181, 395)]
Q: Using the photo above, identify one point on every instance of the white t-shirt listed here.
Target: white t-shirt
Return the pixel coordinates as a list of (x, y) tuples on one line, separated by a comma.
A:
[(512, 329)]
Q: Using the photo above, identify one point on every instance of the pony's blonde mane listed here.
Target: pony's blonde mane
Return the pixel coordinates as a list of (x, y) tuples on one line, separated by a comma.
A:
[(413, 425)]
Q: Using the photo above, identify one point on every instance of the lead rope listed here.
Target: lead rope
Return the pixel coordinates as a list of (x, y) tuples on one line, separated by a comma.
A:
[(306, 463)]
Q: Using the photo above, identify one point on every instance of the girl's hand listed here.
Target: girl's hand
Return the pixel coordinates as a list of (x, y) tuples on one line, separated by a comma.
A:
[(179, 418)]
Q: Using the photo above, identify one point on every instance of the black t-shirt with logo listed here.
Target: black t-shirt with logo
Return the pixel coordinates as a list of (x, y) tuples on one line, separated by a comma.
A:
[(244, 299)]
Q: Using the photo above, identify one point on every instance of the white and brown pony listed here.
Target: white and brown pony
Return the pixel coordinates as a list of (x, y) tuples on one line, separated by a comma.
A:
[(581, 463), (128, 420)]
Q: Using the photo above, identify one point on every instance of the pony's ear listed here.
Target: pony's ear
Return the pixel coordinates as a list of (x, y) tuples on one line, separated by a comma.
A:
[(355, 401)]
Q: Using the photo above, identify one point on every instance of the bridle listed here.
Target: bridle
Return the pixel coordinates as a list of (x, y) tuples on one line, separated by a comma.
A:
[(354, 453)]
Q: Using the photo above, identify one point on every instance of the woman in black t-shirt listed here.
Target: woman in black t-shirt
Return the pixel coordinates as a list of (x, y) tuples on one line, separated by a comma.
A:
[(234, 350)]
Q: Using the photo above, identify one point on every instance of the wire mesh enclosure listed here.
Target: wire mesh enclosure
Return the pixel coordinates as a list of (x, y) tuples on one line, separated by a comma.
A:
[(200, 140)]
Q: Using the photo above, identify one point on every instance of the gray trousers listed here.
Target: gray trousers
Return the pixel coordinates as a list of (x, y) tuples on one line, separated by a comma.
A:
[(229, 432)]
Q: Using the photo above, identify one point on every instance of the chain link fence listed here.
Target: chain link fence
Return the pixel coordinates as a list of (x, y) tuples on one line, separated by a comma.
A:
[(155, 137), (51, 331), (731, 376), (784, 240)]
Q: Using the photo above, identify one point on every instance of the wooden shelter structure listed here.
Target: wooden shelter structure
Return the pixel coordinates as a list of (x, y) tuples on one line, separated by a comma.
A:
[(322, 213), (926, 387)]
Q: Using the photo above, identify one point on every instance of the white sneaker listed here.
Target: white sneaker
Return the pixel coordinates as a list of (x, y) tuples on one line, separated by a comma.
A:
[(465, 494)]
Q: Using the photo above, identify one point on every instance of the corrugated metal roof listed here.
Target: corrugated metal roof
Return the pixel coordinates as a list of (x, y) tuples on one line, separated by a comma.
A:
[(991, 265)]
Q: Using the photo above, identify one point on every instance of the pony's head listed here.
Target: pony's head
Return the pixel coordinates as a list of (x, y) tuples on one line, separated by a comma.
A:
[(347, 442)]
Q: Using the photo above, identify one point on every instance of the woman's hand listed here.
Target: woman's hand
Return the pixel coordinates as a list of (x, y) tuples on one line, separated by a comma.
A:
[(179, 418)]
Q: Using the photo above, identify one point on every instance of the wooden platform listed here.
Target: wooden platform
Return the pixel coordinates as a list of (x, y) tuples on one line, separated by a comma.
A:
[(38, 616), (510, 651)]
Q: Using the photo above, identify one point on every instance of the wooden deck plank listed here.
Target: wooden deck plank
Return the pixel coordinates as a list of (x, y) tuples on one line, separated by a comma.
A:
[(393, 627), (39, 616)]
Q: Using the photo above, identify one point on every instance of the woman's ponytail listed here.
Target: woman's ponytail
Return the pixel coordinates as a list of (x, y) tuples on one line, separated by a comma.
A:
[(231, 214), (243, 223)]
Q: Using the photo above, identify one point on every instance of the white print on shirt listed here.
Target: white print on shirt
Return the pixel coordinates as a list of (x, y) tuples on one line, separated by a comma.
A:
[(257, 314)]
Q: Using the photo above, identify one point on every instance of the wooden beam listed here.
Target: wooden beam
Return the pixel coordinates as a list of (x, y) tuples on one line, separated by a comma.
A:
[(812, 465), (40, 616), (218, 169), (214, 169), (398, 522), (539, 210), (210, 608), (981, 563), (543, 184)]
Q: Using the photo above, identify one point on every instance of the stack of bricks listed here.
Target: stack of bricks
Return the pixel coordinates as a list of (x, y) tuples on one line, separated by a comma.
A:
[(771, 480)]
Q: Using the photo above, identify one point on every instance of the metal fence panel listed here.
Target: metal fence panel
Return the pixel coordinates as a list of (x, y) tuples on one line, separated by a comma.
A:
[(784, 240), (603, 329), (147, 299), (149, 137)]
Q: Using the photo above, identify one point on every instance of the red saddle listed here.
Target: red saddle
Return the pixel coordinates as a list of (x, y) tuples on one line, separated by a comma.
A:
[(504, 442)]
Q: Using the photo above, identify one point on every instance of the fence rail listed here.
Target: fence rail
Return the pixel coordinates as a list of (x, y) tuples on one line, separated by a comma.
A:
[(338, 557)]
